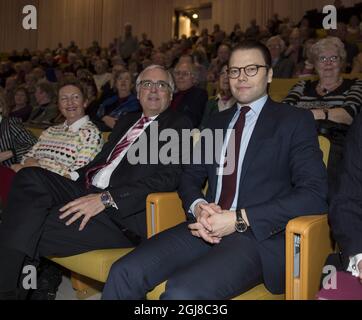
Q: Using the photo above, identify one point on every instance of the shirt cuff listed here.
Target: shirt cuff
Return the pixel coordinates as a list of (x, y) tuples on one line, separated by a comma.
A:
[(353, 264), (193, 205), (74, 175)]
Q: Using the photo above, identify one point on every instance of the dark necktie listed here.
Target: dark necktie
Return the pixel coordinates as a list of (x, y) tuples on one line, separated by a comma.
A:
[(122, 145), (229, 181)]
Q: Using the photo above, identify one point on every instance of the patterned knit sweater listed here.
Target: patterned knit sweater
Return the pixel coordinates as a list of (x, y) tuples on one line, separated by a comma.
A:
[(63, 150)]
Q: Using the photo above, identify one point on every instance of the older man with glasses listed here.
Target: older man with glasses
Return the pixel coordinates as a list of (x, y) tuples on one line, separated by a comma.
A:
[(234, 238), (189, 99), (104, 207)]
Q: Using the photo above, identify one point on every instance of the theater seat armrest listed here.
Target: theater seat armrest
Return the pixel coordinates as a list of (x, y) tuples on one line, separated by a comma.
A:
[(163, 211), (308, 243)]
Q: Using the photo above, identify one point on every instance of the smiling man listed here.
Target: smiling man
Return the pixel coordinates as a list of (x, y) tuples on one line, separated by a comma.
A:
[(49, 215), (234, 237)]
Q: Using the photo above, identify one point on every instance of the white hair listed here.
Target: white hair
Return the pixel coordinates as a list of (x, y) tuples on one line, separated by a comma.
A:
[(156, 66)]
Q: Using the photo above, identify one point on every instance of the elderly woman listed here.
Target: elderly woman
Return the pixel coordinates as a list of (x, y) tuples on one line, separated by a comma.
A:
[(222, 101), (283, 67), (71, 145), (22, 108), (120, 104), (334, 101)]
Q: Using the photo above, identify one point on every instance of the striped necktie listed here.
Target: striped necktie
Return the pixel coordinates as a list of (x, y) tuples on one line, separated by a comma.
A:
[(122, 145)]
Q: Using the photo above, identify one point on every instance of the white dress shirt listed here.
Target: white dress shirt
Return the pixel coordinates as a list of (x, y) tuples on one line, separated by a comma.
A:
[(250, 120)]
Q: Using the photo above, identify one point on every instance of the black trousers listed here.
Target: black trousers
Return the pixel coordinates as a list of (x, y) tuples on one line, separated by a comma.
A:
[(31, 223), (194, 269)]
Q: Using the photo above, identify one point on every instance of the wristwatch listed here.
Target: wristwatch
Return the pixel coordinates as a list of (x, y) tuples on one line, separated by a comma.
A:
[(240, 224), (107, 199)]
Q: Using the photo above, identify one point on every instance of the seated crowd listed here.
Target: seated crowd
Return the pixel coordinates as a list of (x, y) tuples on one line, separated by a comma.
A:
[(210, 81)]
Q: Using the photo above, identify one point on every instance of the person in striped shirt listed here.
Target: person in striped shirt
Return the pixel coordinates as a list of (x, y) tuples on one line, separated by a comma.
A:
[(333, 100)]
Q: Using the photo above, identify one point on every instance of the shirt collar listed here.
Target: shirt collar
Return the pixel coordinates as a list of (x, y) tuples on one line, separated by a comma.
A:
[(74, 127), (256, 106), (152, 118)]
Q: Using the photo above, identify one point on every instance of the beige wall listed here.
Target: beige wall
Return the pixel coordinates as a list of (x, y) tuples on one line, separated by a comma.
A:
[(102, 20)]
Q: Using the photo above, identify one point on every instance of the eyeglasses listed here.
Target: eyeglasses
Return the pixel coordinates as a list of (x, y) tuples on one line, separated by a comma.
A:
[(331, 59), (159, 85), (251, 70), (182, 73)]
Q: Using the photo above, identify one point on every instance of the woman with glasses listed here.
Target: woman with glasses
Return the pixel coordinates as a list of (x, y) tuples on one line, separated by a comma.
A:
[(223, 100), (334, 101)]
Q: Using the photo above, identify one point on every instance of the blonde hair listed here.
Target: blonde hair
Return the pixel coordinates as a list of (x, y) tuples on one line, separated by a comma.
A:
[(326, 43)]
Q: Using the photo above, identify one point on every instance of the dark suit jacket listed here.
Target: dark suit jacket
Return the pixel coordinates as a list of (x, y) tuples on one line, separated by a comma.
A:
[(283, 177), (193, 104), (284, 68), (130, 184), (345, 215)]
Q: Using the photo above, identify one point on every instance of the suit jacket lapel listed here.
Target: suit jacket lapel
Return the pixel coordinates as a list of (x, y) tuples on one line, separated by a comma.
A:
[(263, 130)]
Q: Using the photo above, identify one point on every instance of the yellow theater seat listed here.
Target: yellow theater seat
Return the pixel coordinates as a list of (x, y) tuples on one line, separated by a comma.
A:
[(307, 246)]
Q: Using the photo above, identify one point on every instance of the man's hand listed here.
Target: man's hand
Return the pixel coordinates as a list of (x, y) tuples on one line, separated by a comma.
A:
[(198, 230), (205, 210), (17, 167), (87, 206), (202, 228), (222, 224)]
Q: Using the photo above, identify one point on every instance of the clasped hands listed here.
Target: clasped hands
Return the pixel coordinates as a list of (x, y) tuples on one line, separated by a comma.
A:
[(212, 223)]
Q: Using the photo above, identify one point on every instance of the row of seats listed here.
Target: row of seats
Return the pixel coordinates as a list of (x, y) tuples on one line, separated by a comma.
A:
[(307, 246)]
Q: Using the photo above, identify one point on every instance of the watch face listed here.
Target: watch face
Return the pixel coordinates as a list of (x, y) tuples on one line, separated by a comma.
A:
[(105, 200), (241, 226)]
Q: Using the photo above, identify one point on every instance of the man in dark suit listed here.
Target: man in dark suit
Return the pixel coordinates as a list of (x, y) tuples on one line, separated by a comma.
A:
[(189, 99), (234, 239), (345, 213), (104, 207)]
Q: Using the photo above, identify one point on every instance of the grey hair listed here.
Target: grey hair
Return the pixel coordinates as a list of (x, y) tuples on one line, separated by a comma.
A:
[(156, 66), (329, 42), (279, 39)]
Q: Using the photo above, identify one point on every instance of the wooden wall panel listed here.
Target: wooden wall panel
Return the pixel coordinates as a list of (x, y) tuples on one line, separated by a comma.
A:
[(103, 20), (12, 34)]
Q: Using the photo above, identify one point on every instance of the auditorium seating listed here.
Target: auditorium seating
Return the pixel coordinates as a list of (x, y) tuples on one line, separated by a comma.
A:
[(307, 243)]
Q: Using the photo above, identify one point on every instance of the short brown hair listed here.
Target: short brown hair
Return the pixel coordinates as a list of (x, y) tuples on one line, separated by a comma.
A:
[(73, 81)]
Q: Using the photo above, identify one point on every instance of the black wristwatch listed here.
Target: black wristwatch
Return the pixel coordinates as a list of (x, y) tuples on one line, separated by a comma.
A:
[(240, 224), (107, 199)]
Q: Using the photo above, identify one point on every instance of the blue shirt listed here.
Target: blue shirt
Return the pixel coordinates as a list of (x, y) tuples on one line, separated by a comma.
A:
[(250, 120)]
